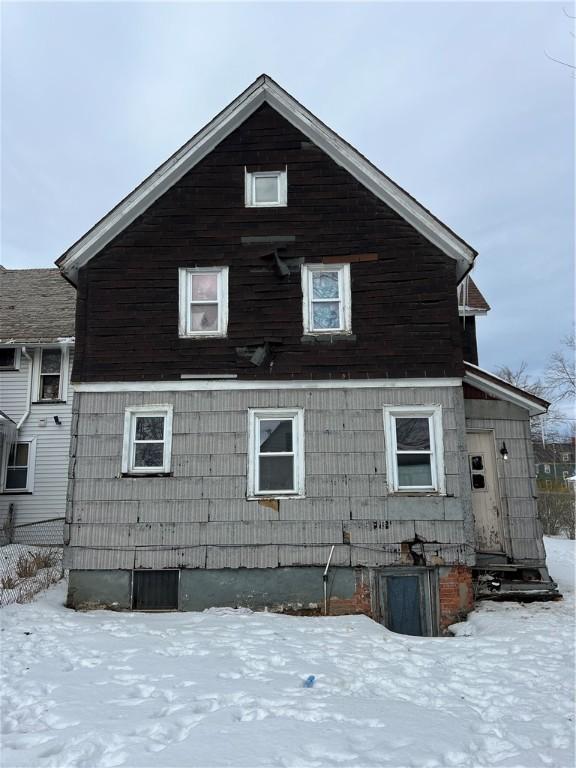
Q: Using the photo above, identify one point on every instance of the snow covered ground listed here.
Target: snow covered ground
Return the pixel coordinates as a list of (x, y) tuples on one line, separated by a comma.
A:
[(225, 688)]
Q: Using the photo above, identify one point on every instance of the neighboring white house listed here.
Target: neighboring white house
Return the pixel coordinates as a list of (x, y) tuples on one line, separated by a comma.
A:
[(37, 308)]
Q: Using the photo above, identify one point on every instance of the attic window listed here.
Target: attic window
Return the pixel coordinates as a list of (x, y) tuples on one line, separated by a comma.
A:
[(265, 189)]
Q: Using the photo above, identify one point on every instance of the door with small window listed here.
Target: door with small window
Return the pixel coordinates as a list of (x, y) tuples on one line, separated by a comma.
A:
[(486, 502)]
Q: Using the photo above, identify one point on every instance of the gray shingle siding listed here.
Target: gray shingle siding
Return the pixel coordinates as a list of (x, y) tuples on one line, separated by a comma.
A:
[(200, 516)]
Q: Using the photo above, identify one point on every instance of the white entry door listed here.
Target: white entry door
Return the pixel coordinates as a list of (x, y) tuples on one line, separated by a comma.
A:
[(486, 503)]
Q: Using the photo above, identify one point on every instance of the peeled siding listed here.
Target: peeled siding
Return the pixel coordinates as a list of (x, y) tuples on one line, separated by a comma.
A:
[(204, 504)]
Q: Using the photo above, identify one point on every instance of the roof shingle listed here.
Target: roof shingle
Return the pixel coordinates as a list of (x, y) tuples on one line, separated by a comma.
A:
[(36, 305)]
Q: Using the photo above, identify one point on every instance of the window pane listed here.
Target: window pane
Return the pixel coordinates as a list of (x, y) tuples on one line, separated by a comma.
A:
[(477, 462), (19, 455), (149, 455), (7, 358), (275, 435), (205, 286), (414, 470), (204, 317), (266, 189), (325, 285), (276, 473), (412, 434), (51, 360), (478, 482), (326, 315), (149, 428), (49, 387), (16, 478)]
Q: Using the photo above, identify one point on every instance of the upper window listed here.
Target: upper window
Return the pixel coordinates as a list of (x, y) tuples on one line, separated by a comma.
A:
[(20, 468), (565, 457), (9, 358), (276, 453), (547, 468), (266, 188), (414, 448), (203, 301), (50, 378), (147, 440), (326, 298)]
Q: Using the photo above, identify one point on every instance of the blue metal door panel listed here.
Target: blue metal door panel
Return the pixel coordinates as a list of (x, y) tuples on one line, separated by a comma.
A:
[(403, 600)]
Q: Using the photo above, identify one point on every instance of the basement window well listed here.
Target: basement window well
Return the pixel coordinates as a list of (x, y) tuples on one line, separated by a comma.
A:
[(155, 590)]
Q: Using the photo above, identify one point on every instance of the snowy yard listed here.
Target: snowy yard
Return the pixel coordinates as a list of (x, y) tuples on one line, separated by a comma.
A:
[(225, 688)]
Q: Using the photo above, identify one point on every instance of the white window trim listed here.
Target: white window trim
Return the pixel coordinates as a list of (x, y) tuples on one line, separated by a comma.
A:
[(16, 366), (297, 417), (31, 469), (184, 325), (345, 301), (434, 414), (130, 414), (250, 188), (64, 371)]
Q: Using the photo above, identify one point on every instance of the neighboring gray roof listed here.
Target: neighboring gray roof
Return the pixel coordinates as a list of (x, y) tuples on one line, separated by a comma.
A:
[(36, 305)]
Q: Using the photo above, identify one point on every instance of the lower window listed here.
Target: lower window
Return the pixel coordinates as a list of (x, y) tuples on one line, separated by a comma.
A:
[(414, 448), (276, 453), (147, 440), (20, 468)]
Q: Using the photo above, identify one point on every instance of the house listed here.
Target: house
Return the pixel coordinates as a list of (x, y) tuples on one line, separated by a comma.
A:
[(555, 463), (272, 403), (36, 351)]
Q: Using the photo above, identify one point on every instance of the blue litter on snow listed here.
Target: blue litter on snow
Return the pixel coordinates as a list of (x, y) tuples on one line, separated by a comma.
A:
[(309, 682)]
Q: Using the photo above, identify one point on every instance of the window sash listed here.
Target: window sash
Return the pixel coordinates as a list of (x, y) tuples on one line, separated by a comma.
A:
[(435, 452), (50, 374), (131, 442), (187, 303), (256, 454), (27, 487), (12, 365), (251, 178), (343, 299)]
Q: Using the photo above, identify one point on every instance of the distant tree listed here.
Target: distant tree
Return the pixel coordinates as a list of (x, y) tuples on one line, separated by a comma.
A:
[(560, 376), (520, 377)]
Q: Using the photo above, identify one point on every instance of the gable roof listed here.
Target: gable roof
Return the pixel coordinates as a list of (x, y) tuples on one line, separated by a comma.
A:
[(264, 90), (36, 306), (493, 385), (470, 299)]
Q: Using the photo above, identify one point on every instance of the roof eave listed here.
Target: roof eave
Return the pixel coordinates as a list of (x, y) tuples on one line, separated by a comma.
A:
[(503, 390), (264, 89)]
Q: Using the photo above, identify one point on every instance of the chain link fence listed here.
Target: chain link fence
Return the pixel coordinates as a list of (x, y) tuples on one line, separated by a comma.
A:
[(30, 558)]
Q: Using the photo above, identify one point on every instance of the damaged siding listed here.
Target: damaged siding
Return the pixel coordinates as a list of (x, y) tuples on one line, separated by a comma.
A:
[(516, 477), (200, 517)]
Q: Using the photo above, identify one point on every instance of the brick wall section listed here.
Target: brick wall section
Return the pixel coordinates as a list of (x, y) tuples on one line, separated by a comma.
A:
[(456, 596), (360, 602)]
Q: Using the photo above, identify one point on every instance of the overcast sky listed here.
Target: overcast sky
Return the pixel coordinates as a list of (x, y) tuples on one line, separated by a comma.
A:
[(457, 102)]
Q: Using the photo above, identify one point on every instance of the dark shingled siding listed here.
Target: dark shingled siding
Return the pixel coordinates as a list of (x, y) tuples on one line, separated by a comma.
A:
[(404, 304)]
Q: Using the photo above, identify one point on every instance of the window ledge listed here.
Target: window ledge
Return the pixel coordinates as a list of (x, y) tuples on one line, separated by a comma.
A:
[(327, 338), (16, 493), (49, 402), (147, 474), (286, 496), (202, 336), (416, 493)]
